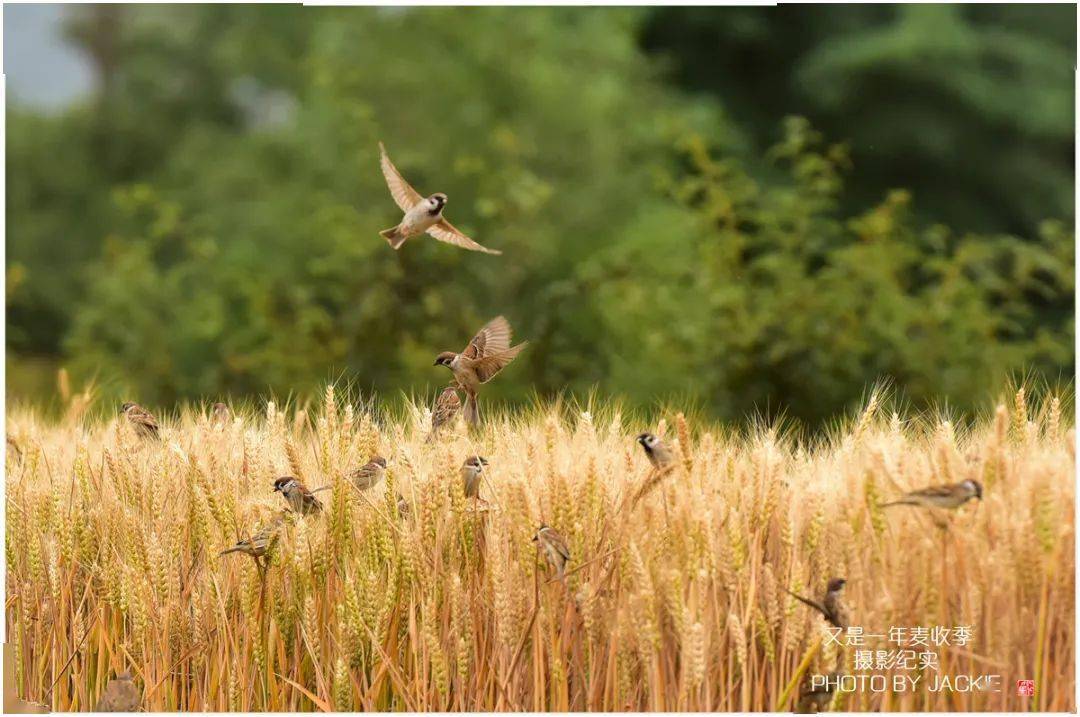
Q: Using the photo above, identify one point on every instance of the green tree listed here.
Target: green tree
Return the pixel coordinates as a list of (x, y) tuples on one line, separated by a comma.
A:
[(775, 293), (968, 106)]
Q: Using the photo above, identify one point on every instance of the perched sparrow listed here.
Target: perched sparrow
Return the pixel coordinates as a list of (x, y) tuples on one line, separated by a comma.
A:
[(446, 409), (120, 695), (941, 496), (13, 447), (814, 698), (257, 545), (487, 354), (403, 508), (554, 547), (470, 474), (222, 414), (831, 605), (297, 495), (421, 215), (145, 425), (368, 475), (658, 452)]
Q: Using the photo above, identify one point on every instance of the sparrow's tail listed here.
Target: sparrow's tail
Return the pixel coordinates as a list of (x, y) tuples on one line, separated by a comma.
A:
[(230, 550), (902, 501), (472, 410), (393, 237)]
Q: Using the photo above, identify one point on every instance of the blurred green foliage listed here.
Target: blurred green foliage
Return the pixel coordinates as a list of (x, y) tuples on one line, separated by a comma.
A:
[(207, 224), (969, 106)]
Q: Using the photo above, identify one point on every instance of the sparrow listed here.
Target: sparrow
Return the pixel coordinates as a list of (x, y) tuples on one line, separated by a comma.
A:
[(447, 406), (470, 474), (814, 698), (421, 215), (297, 495), (554, 547), (941, 496), (487, 354), (13, 447), (402, 506), (222, 414), (120, 695), (368, 475), (144, 423), (657, 451), (257, 545), (831, 605)]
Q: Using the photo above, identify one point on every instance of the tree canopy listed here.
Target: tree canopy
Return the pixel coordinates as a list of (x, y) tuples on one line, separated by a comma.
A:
[(208, 222)]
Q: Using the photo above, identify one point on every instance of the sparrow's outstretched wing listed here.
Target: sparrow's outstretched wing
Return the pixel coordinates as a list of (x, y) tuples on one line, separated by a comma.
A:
[(403, 193), (447, 232), (492, 339), (487, 367)]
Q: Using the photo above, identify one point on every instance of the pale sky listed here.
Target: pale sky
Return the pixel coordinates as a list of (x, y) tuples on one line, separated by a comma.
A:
[(39, 67)]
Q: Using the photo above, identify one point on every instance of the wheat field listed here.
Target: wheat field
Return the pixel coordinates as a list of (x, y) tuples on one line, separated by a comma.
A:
[(674, 597)]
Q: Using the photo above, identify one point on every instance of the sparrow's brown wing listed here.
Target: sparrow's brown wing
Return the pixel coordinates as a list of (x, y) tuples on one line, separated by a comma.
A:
[(141, 416), (487, 367), (934, 491), (492, 339), (403, 193), (558, 542), (447, 232), (366, 471), (446, 407)]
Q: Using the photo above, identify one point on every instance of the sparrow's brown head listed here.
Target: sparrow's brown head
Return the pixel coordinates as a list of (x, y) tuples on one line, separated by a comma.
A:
[(977, 487), (477, 462), (836, 584), (445, 358), (379, 461), (648, 441), (539, 530), (126, 406), (280, 483)]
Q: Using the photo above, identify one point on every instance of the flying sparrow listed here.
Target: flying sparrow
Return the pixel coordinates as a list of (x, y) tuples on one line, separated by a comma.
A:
[(470, 474), (831, 605), (368, 475), (814, 698), (144, 423), (941, 496), (554, 547), (421, 215), (446, 409), (297, 495), (657, 451), (120, 695), (221, 414), (487, 354), (257, 545)]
